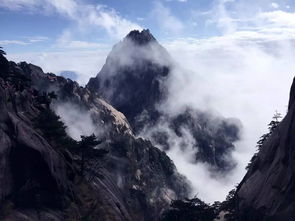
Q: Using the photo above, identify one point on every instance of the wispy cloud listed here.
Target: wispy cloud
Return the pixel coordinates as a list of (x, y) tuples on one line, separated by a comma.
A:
[(18, 4), (274, 5), (66, 41), (27, 41), (13, 42), (86, 63), (245, 73), (279, 18), (34, 39), (83, 14), (165, 19)]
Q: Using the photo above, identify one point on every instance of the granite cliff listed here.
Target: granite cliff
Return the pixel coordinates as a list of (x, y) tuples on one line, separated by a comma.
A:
[(39, 174), (267, 190)]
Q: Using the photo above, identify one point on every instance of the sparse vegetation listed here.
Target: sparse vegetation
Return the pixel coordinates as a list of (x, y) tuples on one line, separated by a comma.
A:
[(4, 65), (189, 210), (230, 206), (271, 128), (2, 52), (19, 81), (51, 125), (197, 210), (86, 146)]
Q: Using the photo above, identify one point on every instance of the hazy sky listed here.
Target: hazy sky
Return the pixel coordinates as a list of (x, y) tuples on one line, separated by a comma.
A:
[(236, 57)]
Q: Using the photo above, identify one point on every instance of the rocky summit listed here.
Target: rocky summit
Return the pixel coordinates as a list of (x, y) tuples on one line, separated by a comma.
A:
[(135, 81), (133, 77)]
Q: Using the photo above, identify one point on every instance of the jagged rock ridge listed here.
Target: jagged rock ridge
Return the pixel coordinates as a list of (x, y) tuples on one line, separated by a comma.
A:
[(141, 38)]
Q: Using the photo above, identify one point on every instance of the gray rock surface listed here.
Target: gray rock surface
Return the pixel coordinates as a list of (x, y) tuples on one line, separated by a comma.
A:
[(268, 189), (134, 181)]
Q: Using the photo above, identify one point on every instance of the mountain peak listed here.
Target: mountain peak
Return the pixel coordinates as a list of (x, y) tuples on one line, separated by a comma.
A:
[(141, 37)]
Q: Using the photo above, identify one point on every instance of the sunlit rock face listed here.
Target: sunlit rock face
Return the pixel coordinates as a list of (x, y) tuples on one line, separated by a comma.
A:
[(135, 80), (267, 191)]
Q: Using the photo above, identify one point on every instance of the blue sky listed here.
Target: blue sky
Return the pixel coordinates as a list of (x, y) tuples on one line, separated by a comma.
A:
[(26, 18), (44, 25), (236, 57)]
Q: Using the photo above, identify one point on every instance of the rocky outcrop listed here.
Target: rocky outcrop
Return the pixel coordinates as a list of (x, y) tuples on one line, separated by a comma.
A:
[(22, 147), (267, 191), (39, 179), (135, 81)]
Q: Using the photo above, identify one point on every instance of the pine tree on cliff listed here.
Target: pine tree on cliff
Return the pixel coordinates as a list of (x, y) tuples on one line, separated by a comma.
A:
[(51, 125), (189, 210), (86, 144), (2, 52), (4, 64), (271, 128), (275, 122)]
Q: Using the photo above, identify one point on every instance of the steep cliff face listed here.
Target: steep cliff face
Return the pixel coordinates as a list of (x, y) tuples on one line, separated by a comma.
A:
[(135, 80), (267, 191), (39, 178)]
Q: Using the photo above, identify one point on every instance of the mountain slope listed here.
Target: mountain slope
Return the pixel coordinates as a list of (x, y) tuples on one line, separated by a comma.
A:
[(39, 178), (267, 191)]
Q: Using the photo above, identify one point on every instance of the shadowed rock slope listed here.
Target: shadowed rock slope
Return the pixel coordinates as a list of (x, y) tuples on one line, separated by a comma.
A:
[(267, 192), (39, 177)]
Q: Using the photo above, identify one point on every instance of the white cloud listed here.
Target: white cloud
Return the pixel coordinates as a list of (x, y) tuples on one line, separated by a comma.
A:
[(245, 73), (274, 5), (34, 39), (18, 4), (86, 63), (110, 20), (27, 41), (231, 16), (65, 41), (13, 42), (165, 19), (84, 14), (279, 18), (77, 120)]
